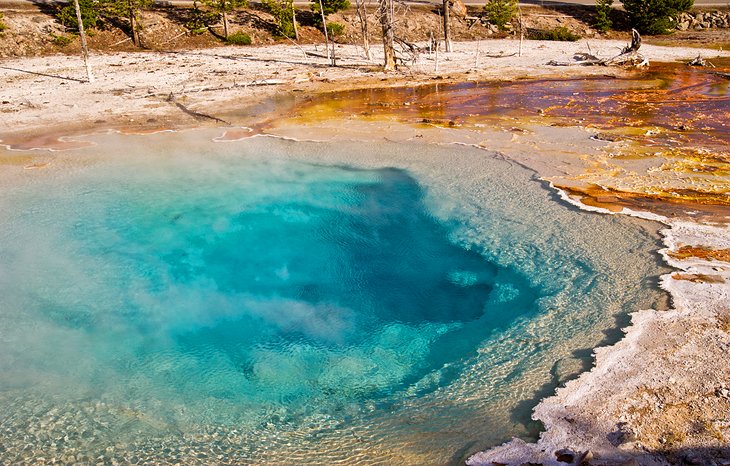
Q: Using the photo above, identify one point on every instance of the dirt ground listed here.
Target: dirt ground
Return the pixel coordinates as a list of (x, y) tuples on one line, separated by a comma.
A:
[(34, 30)]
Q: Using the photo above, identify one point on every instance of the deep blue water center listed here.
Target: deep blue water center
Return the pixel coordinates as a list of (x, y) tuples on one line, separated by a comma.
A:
[(300, 285), (327, 265)]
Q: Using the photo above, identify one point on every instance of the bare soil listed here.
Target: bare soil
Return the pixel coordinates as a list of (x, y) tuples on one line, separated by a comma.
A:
[(33, 30)]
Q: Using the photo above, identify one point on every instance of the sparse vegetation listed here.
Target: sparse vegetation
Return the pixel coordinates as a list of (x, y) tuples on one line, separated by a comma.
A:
[(655, 16), (239, 38), (500, 12), (61, 41), (559, 34), (602, 19), (335, 29), (3, 26), (672, 439)]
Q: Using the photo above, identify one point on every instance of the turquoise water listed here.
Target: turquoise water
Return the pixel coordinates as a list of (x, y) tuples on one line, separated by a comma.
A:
[(266, 300)]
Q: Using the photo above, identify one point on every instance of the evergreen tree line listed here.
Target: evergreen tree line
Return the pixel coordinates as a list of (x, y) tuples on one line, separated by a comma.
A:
[(646, 16)]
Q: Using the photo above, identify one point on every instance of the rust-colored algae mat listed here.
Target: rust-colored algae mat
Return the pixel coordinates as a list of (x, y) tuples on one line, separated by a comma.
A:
[(664, 130)]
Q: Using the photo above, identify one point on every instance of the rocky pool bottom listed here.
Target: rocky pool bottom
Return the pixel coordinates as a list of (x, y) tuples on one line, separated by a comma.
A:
[(171, 299)]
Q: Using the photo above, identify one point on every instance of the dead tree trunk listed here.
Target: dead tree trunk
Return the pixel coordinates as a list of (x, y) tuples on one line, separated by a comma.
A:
[(133, 23), (84, 46), (294, 21), (386, 22), (362, 13), (326, 34), (447, 29), (225, 24)]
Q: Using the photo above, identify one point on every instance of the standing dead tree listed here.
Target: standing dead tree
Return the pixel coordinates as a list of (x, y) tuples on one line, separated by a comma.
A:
[(447, 25), (84, 46), (385, 11), (451, 6), (294, 21), (324, 28), (362, 14)]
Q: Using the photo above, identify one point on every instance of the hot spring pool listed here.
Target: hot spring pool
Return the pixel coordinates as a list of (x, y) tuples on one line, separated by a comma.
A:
[(170, 299)]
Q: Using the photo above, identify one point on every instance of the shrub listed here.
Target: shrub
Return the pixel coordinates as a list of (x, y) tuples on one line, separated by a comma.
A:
[(3, 27), (602, 19), (335, 29), (655, 16), (89, 15), (500, 12), (239, 38), (560, 33), (61, 41), (281, 10)]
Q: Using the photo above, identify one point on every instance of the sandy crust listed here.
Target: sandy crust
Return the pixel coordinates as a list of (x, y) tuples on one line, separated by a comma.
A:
[(660, 395), (143, 90)]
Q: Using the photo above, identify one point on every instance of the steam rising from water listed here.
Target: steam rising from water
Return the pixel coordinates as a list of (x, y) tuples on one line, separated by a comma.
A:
[(313, 302)]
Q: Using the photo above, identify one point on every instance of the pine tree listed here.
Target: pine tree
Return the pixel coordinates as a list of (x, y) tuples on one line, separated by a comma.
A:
[(89, 10), (500, 12), (328, 7), (655, 16), (602, 19), (283, 12)]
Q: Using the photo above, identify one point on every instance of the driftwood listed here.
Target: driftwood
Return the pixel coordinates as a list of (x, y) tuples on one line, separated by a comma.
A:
[(699, 61), (629, 56), (318, 55), (501, 55)]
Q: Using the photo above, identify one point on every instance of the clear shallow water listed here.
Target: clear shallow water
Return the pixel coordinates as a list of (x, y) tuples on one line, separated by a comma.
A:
[(166, 298)]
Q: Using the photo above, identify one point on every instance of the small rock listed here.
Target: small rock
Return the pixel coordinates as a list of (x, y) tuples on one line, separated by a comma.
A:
[(692, 457), (565, 455), (585, 458)]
